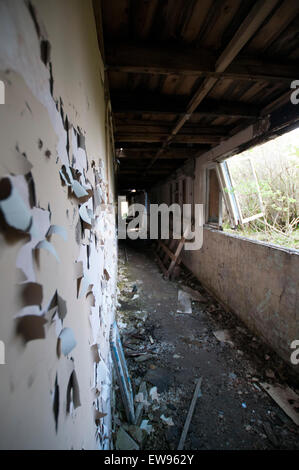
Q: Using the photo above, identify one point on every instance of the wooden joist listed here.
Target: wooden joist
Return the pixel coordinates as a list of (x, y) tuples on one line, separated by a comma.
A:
[(255, 18), (169, 107), (181, 138), (136, 172), (167, 60), (147, 153), (149, 127)]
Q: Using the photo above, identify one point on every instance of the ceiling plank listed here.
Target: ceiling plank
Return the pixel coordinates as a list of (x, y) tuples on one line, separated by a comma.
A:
[(124, 103), (170, 60), (171, 153), (255, 18), (160, 137), (149, 155), (281, 19), (151, 172), (140, 127), (250, 25)]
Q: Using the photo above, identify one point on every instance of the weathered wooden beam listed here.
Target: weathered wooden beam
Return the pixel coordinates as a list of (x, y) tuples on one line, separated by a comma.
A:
[(151, 172), (259, 12), (163, 269), (196, 395), (169, 154), (167, 250), (160, 137), (255, 18), (207, 110), (280, 101), (146, 58), (170, 60), (139, 164), (124, 102), (163, 128)]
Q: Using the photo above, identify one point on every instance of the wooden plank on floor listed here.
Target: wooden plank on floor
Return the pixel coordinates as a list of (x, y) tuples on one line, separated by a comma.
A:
[(167, 250), (164, 270), (190, 414), (176, 255)]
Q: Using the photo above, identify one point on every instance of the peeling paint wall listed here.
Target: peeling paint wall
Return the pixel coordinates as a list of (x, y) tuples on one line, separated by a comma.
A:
[(258, 282), (58, 249)]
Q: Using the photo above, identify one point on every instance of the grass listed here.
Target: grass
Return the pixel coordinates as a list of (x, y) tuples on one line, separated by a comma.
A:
[(289, 240)]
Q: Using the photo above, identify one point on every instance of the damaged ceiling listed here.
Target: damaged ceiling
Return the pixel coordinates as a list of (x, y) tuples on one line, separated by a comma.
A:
[(186, 75)]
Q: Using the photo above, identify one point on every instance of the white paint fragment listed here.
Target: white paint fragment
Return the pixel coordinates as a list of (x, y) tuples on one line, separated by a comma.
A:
[(148, 428), (58, 230), (79, 190), (85, 214), (67, 340), (167, 421), (45, 245), (15, 212), (154, 393)]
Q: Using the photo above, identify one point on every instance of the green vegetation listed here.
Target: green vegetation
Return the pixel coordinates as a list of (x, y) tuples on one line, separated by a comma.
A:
[(277, 170)]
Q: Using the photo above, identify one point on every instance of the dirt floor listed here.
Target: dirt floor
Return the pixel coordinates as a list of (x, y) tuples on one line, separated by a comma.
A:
[(171, 350)]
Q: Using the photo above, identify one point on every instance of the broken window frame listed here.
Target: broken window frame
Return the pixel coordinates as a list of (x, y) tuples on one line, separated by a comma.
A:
[(231, 197)]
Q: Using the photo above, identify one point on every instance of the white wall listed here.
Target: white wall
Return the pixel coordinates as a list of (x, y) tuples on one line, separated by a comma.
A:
[(33, 123)]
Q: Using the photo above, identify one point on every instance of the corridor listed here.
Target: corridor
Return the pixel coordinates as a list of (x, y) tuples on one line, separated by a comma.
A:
[(233, 411), (113, 108)]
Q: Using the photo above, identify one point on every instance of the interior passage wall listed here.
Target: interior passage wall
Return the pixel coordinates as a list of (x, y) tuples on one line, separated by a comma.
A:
[(58, 249), (258, 282)]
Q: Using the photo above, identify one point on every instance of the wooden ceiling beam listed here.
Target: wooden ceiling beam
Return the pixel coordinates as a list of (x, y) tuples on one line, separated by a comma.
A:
[(151, 172), (166, 60), (163, 128), (124, 103), (257, 15), (169, 154), (160, 137)]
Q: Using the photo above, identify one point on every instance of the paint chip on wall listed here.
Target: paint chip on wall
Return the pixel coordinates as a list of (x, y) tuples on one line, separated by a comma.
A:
[(15, 212), (31, 327), (67, 340)]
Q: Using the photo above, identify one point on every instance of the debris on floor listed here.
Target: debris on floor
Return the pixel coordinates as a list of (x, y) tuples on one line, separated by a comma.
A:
[(148, 428), (194, 295), (154, 394), (184, 302), (286, 398), (223, 336), (124, 441), (167, 421), (165, 351)]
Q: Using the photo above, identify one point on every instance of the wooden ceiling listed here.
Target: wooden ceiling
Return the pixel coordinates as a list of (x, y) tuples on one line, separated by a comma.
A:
[(184, 75)]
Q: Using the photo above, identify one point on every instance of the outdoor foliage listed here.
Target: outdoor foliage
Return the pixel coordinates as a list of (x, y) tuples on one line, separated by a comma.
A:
[(277, 169)]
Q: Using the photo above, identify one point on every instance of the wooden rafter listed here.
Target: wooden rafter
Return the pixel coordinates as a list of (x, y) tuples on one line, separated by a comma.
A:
[(257, 15), (166, 60), (182, 138), (124, 103), (147, 153)]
